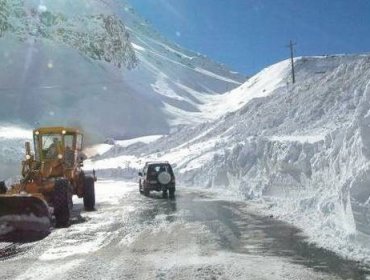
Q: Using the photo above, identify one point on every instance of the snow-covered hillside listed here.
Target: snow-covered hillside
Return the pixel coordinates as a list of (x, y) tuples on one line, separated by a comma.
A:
[(302, 151), (12, 149), (99, 65)]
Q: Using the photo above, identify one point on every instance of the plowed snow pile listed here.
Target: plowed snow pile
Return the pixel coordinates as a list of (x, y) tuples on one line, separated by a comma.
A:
[(301, 151)]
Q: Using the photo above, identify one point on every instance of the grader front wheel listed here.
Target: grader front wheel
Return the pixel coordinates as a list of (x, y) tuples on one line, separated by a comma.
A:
[(62, 202)]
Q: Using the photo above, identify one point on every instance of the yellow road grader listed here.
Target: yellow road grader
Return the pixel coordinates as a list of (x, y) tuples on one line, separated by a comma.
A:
[(50, 176)]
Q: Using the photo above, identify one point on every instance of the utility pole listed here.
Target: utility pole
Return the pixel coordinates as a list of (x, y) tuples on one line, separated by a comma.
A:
[(291, 45)]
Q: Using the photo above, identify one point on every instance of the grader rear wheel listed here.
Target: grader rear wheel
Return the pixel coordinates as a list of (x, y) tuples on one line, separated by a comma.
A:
[(89, 194)]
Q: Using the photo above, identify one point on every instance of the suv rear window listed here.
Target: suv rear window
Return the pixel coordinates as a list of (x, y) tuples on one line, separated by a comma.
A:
[(160, 167)]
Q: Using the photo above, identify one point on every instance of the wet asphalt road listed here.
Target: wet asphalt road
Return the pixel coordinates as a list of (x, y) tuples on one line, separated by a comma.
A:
[(193, 236)]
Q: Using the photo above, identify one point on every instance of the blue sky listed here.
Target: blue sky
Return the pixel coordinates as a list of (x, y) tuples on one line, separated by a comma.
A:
[(248, 35)]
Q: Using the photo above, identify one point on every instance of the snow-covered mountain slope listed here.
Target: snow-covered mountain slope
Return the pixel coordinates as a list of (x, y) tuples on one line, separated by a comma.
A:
[(301, 150), (66, 62), (185, 84)]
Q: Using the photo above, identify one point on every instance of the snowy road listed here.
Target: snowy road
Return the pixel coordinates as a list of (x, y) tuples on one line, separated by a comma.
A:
[(194, 236)]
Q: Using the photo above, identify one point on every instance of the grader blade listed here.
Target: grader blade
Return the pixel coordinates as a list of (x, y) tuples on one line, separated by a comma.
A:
[(23, 217)]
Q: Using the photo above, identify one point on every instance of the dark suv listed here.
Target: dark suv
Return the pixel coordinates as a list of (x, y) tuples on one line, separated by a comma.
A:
[(157, 176)]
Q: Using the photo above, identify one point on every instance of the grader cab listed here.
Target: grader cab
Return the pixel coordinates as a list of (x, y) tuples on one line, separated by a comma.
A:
[(50, 176)]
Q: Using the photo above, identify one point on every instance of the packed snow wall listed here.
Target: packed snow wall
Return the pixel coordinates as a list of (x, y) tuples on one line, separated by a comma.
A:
[(310, 168)]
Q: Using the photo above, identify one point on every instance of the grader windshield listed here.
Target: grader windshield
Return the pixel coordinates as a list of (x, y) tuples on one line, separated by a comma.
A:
[(50, 145)]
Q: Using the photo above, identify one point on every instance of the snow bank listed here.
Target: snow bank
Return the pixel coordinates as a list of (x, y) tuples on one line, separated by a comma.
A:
[(312, 167), (301, 151)]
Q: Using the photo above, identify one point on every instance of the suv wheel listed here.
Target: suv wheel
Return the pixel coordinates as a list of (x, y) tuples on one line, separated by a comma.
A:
[(172, 192), (146, 192), (140, 189), (164, 194)]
